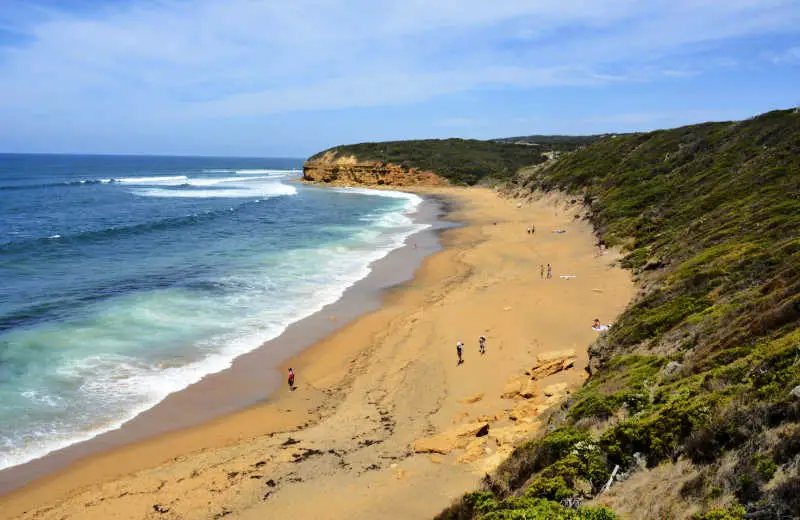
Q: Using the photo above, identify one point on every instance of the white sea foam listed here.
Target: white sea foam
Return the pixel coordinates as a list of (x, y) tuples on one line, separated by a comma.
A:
[(128, 386), (263, 190), (169, 180), (413, 199), (279, 173)]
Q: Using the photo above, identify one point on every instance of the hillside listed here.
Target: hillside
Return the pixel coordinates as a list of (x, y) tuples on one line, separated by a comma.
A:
[(460, 161), (564, 143), (695, 392)]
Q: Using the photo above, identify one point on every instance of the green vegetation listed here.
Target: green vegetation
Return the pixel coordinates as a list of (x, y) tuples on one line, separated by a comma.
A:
[(485, 506), (558, 143), (702, 365), (461, 161)]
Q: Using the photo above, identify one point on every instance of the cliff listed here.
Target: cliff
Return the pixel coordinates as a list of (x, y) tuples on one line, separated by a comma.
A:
[(459, 161), (333, 169)]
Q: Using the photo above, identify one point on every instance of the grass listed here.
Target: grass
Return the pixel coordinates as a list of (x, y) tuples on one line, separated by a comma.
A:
[(699, 367)]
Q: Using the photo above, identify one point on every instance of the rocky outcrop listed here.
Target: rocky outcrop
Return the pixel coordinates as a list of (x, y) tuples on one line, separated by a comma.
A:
[(552, 363), (520, 386), (455, 438), (332, 169)]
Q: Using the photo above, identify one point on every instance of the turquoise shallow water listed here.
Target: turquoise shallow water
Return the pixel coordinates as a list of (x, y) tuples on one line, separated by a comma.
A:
[(125, 279)]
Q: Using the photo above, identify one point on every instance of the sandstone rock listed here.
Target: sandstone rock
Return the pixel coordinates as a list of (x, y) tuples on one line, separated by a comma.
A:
[(449, 440), (490, 463), (556, 390), (473, 451), (529, 390), (515, 386), (552, 363), (474, 399), (332, 169), (526, 411), (490, 418), (510, 435), (556, 354)]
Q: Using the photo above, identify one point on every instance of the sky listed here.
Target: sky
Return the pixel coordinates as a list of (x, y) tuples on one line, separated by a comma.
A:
[(290, 78)]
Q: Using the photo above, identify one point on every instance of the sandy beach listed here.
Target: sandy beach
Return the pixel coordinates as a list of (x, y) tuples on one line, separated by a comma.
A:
[(384, 423)]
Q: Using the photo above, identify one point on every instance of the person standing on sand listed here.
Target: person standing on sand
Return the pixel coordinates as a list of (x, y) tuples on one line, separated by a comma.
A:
[(533, 229), (459, 351), (549, 272), (482, 344), (541, 271), (291, 380)]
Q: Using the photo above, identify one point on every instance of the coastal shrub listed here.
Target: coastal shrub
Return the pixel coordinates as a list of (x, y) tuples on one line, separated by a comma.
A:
[(534, 456), (701, 366), (482, 505), (733, 513), (524, 508), (554, 488)]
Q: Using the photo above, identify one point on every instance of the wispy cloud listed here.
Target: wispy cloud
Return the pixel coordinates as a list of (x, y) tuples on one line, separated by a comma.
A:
[(163, 61)]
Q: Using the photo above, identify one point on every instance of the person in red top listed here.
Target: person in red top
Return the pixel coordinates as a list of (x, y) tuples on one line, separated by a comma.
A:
[(291, 379)]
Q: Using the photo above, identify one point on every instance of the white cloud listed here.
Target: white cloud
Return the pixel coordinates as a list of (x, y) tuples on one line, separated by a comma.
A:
[(169, 60)]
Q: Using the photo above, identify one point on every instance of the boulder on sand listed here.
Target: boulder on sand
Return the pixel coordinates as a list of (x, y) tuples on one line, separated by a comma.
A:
[(526, 411), (451, 439), (552, 363), (556, 390), (510, 435), (520, 386), (473, 451)]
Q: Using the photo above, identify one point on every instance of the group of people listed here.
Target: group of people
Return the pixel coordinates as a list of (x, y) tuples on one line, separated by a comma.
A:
[(545, 273), (460, 348)]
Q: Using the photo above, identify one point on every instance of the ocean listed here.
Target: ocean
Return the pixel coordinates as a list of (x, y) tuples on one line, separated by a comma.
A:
[(124, 279)]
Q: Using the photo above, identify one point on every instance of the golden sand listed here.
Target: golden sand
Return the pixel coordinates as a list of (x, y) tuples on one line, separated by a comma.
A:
[(352, 441)]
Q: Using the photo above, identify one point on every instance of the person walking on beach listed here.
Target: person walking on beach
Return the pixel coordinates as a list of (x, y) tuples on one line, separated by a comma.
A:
[(482, 344), (533, 229), (459, 351), (549, 272), (291, 380), (541, 271)]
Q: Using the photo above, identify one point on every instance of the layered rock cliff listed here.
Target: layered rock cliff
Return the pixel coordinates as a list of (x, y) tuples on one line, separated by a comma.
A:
[(348, 170)]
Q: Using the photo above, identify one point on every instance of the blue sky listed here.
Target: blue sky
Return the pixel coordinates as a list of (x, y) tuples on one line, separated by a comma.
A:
[(280, 78)]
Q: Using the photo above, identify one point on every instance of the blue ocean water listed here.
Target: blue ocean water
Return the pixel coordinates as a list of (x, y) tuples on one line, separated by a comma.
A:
[(124, 279)]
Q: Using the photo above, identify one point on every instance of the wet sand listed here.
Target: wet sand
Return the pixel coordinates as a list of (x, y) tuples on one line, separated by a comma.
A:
[(342, 445)]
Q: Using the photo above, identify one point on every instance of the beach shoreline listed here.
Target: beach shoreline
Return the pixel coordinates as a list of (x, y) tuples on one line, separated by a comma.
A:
[(370, 387), (253, 378)]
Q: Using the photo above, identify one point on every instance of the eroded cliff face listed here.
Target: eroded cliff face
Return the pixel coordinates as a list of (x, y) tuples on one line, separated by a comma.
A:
[(332, 169)]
